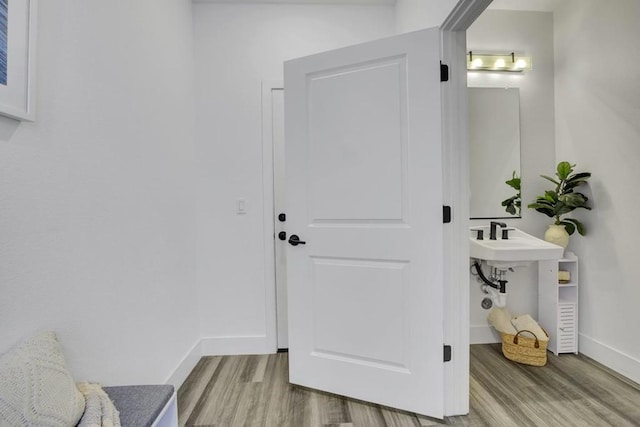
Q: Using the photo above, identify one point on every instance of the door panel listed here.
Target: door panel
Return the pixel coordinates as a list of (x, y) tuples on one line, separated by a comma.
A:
[(370, 338), (364, 191), (364, 118)]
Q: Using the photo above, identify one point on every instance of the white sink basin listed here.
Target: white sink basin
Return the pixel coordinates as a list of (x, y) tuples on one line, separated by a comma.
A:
[(520, 249)]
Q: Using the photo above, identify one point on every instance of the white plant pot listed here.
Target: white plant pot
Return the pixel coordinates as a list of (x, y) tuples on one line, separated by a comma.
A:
[(557, 235)]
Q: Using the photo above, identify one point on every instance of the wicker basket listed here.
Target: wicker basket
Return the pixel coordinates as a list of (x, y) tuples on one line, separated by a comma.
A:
[(522, 349)]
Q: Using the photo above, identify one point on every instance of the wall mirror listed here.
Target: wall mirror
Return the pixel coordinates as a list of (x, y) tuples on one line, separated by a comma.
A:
[(494, 149)]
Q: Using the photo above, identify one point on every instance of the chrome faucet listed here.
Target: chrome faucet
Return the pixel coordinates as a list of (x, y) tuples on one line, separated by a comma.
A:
[(494, 225)]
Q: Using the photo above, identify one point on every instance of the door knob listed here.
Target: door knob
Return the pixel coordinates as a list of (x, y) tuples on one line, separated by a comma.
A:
[(294, 240)]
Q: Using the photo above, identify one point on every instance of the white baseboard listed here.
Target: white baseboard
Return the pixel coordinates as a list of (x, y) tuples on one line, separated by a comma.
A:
[(249, 344), (610, 357), (218, 346), (185, 366), (483, 335), (257, 344)]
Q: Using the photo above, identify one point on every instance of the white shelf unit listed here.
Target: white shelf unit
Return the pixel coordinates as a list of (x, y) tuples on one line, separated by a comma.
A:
[(558, 303)]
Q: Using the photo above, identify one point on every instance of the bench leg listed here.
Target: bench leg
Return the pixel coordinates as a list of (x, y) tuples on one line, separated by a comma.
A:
[(169, 415)]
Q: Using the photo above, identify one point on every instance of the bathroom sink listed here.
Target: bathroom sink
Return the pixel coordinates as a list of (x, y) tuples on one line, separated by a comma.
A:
[(518, 250)]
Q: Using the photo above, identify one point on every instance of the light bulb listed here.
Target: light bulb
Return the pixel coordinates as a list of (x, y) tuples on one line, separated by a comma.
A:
[(476, 63), (499, 63), (521, 63)]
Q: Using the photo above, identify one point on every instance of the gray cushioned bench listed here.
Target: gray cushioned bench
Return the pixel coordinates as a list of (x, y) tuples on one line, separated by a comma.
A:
[(144, 405)]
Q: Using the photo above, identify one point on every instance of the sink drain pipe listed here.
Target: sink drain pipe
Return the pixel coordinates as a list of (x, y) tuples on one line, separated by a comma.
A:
[(499, 291)]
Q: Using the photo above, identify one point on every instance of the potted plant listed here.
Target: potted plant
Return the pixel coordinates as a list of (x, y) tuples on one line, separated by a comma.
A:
[(512, 204), (560, 201)]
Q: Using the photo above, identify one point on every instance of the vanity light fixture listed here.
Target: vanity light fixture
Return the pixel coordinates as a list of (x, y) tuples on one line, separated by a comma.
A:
[(495, 62)]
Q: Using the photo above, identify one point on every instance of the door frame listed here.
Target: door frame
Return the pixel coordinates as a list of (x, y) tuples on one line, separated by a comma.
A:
[(455, 193), (455, 160), (269, 234)]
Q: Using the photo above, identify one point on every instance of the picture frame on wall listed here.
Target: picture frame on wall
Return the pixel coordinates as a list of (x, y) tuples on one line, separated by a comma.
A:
[(17, 58)]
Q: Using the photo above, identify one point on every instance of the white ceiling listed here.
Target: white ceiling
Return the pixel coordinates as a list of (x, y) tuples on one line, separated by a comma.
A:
[(360, 2), (532, 5)]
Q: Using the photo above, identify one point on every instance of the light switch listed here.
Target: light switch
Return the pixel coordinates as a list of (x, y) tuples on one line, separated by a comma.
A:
[(241, 206)]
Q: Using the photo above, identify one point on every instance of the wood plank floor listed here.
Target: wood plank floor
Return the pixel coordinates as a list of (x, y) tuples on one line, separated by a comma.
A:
[(571, 390)]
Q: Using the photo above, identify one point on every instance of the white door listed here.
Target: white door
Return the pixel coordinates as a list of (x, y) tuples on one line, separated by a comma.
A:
[(364, 192)]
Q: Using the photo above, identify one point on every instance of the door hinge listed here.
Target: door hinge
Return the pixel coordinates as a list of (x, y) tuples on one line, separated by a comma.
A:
[(447, 353), (444, 72), (446, 214)]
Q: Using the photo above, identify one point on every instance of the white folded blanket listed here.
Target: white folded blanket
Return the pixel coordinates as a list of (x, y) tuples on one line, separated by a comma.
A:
[(99, 410), (528, 323), (500, 319)]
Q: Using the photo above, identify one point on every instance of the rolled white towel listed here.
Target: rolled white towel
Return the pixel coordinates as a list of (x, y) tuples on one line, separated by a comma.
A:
[(500, 319), (528, 323)]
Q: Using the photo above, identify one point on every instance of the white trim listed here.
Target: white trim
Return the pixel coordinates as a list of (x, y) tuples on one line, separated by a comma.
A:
[(463, 14), (456, 244), (267, 210), (186, 365), (610, 357), (483, 335), (456, 194), (233, 345), (218, 346)]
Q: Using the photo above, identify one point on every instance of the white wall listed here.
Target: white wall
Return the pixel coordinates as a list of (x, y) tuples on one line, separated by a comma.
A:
[(96, 197), (598, 127), (529, 33), (414, 15), (237, 46)]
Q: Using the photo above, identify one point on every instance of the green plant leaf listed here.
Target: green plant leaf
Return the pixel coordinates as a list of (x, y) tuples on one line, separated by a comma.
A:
[(550, 179), (514, 183), (547, 212), (512, 204), (539, 206), (545, 209), (551, 196), (568, 226), (509, 201), (579, 226), (581, 176), (562, 209), (564, 169), (511, 208), (576, 181), (544, 202), (563, 199), (573, 200), (568, 188)]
